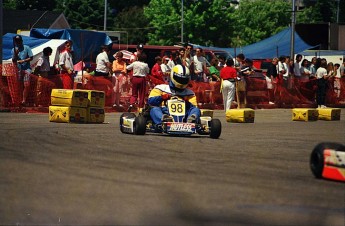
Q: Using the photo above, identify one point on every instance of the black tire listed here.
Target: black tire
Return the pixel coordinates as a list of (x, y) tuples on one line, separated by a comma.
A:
[(215, 128), (128, 115), (140, 125), (317, 159)]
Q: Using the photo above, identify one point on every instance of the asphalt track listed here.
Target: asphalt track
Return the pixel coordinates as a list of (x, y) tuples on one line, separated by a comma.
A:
[(92, 174)]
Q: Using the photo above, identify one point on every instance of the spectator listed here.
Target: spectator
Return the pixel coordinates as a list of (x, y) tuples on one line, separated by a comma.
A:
[(214, 72), (119, 78), (297, 66), (135, 55), (239, 61), (271, 78), (342, 69), (173, 60), (156, 71), (305, 70), (188, 59), (247, 68), (43, 65), (330, 70), (140, 71), (83, 77), (322, 76), (165, 68), (199, 65), (229, 77), (337, 84), (103, 65), (66, 65), (288, 64), (312, 67), (22, 55), (42, 69), (283, 70), (221, 62), (181, 56)]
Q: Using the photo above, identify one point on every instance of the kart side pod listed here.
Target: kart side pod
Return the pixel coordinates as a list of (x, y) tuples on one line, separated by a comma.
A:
[(327, 160)]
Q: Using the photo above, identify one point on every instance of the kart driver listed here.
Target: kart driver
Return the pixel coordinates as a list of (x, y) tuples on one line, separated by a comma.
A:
[(177, 87)]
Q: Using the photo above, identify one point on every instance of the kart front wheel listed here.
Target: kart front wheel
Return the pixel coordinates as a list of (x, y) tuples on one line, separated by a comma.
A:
[(140, 125), (215, 128), (317, 157), (125, 115)]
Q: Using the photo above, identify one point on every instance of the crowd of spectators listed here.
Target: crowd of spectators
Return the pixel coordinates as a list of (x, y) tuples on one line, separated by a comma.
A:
[(133, 75)]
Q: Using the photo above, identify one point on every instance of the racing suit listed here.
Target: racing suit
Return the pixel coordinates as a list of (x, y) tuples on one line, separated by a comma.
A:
[(161, 93)]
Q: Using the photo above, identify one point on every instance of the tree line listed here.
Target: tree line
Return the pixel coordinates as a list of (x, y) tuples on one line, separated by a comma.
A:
[(221, 23)]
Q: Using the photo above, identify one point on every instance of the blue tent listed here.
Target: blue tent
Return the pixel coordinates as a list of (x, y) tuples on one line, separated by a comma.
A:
[(274, 46), (86, 44)]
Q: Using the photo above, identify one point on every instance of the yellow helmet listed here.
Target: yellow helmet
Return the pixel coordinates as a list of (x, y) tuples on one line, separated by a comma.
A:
[(180, 76)]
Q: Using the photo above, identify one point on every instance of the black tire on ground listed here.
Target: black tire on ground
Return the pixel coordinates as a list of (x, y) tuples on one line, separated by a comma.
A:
[(140, 125), (215, 128), (128, 115), (317, 159)]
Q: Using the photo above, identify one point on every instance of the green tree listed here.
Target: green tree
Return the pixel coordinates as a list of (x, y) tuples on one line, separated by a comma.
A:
[(205, 22), (320, 11), (257, 20), (121, 5), (30, 4), (133, 21), (83, 14), (9, 4)]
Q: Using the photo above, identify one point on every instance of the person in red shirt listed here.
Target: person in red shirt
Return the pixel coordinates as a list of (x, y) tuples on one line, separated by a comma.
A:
[(156, 72), (228, 74)]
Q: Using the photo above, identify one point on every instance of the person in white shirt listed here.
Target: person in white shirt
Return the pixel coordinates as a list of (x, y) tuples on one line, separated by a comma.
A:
[(103, 65), (312, 67), (342, 69), (322, 76), (304, 70), (281, 68), (297, 66), (140, 71), (42, 70), (199, 65), (172, 61), (66, 65), (165, 68)]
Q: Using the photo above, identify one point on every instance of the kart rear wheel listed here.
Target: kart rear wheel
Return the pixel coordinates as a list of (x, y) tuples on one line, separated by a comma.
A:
[(127, 115), (140, 125), (215, 128), (317, 157)]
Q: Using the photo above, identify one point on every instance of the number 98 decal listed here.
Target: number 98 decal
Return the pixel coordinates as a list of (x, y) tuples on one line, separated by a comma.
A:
[(177, 107)]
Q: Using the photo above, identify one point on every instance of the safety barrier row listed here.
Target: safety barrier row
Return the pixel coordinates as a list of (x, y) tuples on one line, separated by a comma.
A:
[(257, 94)]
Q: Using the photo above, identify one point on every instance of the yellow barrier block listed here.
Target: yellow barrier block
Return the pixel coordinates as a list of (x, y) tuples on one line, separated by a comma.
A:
[(96, 98), (95, 115), (246, 115), (304, 114), (329, 114), (69, 97), (67, 114)]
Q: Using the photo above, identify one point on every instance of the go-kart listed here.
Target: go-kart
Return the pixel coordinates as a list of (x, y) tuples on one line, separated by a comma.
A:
[(327, 160), (173, 124)]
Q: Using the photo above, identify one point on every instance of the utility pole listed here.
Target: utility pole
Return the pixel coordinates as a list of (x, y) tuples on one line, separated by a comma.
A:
[(105, 14), (182, 21), (338, 11), (293, 22)]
